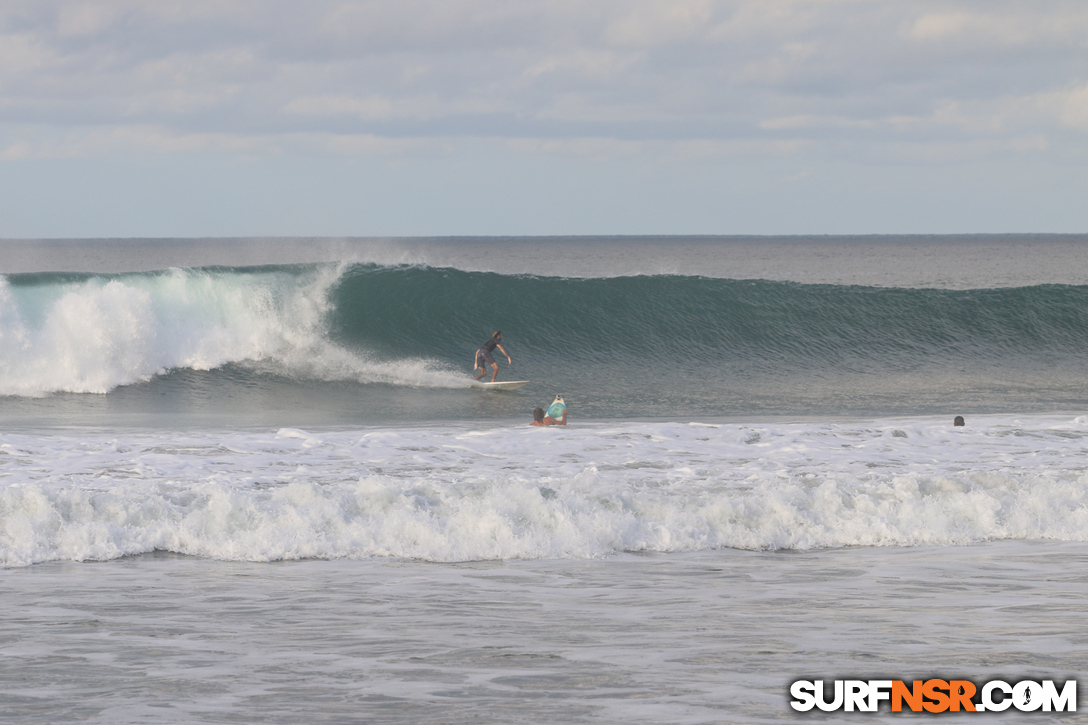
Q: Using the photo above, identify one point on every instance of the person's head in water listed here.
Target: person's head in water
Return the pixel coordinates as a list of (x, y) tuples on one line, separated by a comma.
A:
[(958, 420), (538, 415)]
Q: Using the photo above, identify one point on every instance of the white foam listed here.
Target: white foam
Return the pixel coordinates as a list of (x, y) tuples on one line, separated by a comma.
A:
[(456, 494), (95, 335)]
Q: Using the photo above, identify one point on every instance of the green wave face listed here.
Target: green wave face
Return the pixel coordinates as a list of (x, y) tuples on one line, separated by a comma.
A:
[(656, 345), (645, 321)]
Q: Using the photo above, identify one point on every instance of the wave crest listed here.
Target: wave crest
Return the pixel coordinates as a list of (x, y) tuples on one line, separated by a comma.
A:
[(91, 334)]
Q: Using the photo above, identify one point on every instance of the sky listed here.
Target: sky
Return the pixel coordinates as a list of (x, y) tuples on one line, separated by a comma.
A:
[(196, 118)]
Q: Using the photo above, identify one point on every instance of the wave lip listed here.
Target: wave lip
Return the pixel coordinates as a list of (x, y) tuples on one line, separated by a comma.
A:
[(94, 333)]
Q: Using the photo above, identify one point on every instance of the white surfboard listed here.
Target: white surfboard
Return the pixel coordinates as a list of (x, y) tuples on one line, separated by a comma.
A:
[(503, 384)]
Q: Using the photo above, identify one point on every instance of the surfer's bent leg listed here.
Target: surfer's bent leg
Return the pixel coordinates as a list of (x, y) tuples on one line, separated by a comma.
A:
[(479, 366)]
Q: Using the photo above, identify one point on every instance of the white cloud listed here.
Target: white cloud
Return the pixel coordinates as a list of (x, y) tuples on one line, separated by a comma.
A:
[(723, 72), (597, 66), (85, 18), (1004, 24), (939, 26), (582, 148), (791, 123), (647, 25), (1072, 107), (369, 108), (21, 56), (23, 143)]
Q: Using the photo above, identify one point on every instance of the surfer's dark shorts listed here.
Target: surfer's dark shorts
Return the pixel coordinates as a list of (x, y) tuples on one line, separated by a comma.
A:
[(485, 357)]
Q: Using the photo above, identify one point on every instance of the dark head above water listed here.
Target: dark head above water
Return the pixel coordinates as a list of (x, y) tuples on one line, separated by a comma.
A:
[(958, 420)]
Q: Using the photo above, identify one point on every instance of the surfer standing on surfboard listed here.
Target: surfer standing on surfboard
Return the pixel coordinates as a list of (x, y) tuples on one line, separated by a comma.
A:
[(484, 357)]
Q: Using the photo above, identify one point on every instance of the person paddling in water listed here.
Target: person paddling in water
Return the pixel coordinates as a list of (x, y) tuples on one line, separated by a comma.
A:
[(553, 417), (484, 357)]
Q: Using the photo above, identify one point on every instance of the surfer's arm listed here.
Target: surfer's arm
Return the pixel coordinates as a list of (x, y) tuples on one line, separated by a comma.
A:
[(504, 352)]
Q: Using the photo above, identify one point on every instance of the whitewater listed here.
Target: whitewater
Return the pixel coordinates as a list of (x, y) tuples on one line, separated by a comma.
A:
[(251, 480), (496, 493), (95, 333)]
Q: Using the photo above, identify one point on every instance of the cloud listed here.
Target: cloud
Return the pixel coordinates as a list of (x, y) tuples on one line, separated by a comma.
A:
[(725, 74), (1001, 25), (648, 25), (120, 140), (85, 18), (1072, 107), (369, 108)]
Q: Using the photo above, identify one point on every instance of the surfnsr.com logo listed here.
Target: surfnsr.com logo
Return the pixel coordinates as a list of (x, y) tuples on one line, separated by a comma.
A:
[(935, 695)]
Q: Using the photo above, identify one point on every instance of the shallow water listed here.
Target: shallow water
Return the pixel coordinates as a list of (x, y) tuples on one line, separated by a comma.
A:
[(713, 636)]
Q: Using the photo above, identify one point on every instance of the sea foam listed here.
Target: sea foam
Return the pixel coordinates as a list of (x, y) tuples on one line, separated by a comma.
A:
[(91, 334), (456, 494)]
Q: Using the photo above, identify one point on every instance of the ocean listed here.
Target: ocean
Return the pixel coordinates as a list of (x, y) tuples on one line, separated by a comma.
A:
[(251, 480)]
